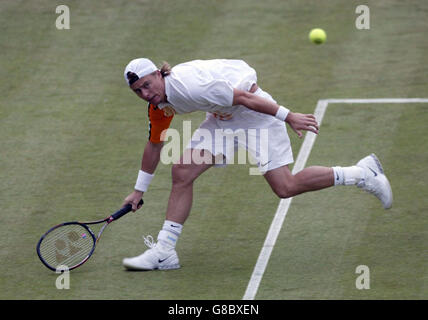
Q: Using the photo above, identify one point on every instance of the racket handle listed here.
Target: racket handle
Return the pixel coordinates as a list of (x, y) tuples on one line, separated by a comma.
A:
[(120, 213)]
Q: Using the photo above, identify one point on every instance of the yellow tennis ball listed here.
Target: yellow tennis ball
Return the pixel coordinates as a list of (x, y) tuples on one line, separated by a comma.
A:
[(317, 36)]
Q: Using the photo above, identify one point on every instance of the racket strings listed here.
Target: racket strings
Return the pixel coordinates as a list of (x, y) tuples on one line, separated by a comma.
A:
[(67, 245)]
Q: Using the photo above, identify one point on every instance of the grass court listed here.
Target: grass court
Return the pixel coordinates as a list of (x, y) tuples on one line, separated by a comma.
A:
[(72, 136)]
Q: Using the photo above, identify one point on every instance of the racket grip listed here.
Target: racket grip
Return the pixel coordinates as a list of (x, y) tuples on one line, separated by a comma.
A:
[(120, 213)]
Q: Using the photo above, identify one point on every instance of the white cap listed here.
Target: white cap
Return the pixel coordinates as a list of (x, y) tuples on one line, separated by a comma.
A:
[(141, 67)]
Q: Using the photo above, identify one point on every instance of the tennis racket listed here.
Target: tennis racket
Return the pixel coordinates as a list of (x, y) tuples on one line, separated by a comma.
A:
[(71, 244)]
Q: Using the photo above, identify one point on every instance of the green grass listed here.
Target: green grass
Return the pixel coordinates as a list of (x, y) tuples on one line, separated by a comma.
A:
[(72, 134), (328, 234)]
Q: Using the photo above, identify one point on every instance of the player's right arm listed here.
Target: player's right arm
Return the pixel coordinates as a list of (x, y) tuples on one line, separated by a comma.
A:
[(149, 162), (158, 122)]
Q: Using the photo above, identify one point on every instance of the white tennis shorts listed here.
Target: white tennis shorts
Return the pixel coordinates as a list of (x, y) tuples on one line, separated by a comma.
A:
[(262, 135)]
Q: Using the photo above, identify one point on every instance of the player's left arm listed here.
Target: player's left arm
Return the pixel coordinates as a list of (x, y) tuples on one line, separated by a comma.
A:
[(297, 121)]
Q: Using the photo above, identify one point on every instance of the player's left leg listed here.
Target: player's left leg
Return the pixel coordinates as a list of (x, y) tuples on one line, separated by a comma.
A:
[(367, 174), (287, 185)]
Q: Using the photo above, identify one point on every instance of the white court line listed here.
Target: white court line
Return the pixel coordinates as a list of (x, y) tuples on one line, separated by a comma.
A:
[(284, 204)]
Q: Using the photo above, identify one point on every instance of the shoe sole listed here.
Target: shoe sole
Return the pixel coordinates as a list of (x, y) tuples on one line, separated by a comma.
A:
[(133, 268), (385, 182), (388, 186), (173, 267)]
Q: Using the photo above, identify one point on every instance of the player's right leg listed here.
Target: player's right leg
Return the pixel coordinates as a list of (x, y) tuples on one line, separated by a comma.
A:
[(161, 254)]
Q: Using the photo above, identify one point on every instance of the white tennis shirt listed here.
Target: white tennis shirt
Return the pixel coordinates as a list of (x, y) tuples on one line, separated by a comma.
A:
[(207, 85)]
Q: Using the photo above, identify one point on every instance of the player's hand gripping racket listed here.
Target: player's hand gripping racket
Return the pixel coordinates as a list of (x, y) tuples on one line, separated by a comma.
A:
[(71, 244)]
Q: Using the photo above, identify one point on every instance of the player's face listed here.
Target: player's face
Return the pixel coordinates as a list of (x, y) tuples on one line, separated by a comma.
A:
[(150, 88)]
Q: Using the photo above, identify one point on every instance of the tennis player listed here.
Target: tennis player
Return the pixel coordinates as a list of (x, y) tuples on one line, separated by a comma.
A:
[(227, 91)]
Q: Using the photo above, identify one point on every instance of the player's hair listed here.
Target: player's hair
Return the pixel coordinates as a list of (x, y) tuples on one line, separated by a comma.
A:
[(165, 70)]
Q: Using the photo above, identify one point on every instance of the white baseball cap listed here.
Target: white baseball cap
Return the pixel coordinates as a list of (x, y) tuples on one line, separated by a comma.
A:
[(141, 67)]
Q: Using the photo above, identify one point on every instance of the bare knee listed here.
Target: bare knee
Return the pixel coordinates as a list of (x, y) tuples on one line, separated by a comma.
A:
[(284, 190), (283, 183), (182, 175), (283, 193)]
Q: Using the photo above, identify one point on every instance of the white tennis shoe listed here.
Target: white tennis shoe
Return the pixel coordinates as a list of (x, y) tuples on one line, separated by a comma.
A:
[(375, 181), (156, 257)]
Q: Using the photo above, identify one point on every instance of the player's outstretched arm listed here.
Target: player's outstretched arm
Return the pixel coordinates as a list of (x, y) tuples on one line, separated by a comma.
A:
[(149, 162)]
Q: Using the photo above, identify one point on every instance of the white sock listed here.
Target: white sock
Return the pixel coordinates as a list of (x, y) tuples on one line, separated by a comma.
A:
[(169, 234), (347, 175)]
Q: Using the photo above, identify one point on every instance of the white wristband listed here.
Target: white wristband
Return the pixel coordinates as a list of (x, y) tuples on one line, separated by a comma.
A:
[(143, 181), (282, 113)]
